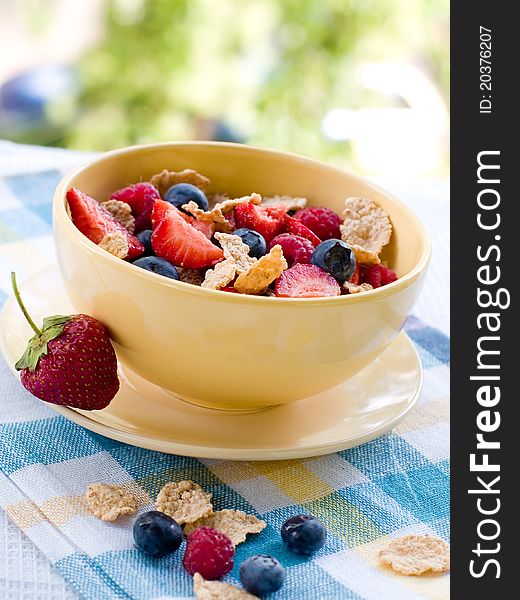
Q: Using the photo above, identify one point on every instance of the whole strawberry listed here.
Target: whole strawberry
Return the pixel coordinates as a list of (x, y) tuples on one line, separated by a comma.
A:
[(70, 361)]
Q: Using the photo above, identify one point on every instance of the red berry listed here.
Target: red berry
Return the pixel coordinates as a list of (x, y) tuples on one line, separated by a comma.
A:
[(175, 240), (141, 198), (208, 229), (230, 288), (296, 228), (267, 220), (161, 207), (79, 368), (208, 552), (231, 218), (277, 212), (321, 221), (306, 281), (356, 276), (296, 249), (378, 275), (95, 222)]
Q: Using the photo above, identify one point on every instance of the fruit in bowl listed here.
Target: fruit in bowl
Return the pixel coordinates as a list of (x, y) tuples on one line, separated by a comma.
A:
[(191, 232), (307, 312)]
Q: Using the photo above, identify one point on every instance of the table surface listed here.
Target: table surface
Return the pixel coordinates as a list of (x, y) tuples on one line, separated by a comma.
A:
[(25, 572)]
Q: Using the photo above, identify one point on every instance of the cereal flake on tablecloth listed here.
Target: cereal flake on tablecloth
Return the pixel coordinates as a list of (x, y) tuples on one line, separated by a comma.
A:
[(218, 590), (236, 524), (184, 501), (108, 501), (416, 554)]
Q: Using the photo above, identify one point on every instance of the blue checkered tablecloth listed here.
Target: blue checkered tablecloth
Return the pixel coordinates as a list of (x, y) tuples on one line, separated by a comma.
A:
[(391, 486)]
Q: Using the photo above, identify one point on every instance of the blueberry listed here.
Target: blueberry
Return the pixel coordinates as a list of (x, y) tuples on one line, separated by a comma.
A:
[(304, 534), (145, 237), (261, 575), (253, 239), (157, 534), (335, 257), (182, 193), (157, 265)]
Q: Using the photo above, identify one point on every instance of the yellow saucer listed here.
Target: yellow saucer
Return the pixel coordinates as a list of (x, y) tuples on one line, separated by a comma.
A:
[(145, 415)]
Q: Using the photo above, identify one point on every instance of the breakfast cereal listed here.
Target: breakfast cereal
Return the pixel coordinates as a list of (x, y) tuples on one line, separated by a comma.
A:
[(109, 501)]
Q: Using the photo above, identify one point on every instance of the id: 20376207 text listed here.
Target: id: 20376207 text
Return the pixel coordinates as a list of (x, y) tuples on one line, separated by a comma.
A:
[(485, 71)]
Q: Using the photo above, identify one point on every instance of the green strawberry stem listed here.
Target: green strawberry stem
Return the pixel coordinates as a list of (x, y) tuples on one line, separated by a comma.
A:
[(37, 346), (37, 331)]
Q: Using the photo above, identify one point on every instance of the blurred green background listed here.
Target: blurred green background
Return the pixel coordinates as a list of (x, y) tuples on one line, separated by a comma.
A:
[(360, 83)]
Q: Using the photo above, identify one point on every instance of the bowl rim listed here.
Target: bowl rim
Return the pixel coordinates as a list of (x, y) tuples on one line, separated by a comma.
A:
[(60, 214)]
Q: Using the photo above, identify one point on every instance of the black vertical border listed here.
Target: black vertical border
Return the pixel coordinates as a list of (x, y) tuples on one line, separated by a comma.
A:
[(471, 133)]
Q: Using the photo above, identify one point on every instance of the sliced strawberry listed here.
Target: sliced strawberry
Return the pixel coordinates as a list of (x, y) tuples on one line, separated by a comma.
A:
[(175, 240), (230, 288), (276, 212), (378, 275), (141, 198), (292, 225), (266, 220), (96, 222), (208, 229), (161, 207), (306, 281)]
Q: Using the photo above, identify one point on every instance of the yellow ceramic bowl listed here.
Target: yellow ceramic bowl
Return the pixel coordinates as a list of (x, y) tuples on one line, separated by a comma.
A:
[(233, 351)]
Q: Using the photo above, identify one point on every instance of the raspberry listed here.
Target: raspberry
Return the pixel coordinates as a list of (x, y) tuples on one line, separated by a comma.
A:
[(141, 198), (208, 552), (321, 221), (296, 249), (378, 275)]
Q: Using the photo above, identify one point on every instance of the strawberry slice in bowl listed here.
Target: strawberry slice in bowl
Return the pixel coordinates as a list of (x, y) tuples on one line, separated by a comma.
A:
[(95, 222), (161, 207), (306, 281), (266, 220), (178, 242)]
